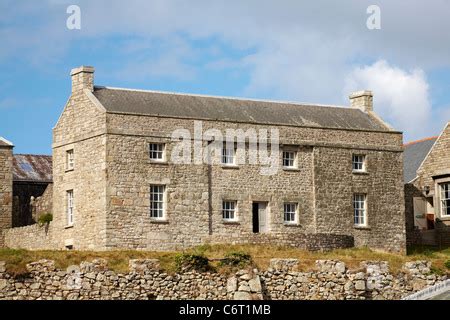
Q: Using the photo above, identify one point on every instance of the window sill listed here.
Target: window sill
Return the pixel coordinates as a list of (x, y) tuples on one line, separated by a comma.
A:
[(291, 169), (291, 224), (229, 166), (68, 226), (360, 172), (230, 222), (158, 162), (69, 170), (362, 227), (159, 221), (444, 218)]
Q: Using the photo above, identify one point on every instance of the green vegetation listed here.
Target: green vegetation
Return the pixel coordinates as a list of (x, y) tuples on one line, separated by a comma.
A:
[(224, 258), (45, 218)]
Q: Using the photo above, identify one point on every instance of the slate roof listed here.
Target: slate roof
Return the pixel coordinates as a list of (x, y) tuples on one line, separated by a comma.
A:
[(233, 109), (32, 168), (414, 153)]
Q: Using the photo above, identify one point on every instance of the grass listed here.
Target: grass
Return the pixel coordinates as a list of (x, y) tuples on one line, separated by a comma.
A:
[(16, 260)]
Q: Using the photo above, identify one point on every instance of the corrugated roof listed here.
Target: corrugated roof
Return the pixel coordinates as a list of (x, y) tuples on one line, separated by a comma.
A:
[(233, 109), (414, 153), (30, 167)]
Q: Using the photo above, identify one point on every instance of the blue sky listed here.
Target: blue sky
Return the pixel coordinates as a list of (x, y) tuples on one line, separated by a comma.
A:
[(288, 50)]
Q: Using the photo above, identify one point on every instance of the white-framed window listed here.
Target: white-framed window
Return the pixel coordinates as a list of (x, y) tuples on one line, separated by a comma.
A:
[(360, 209), (228, 154), (359, 163), (445, 198), (290, 212), (157, 205), (229, 210), (289, 159), (156, 151), (70, 160), (69, 196)]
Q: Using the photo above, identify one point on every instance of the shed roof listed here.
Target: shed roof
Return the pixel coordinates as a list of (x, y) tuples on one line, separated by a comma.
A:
[(5, 143), (414, 153), (32, 168), (234, 109)]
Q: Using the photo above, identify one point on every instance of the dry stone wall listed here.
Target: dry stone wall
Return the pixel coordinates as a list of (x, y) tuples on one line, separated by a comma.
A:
[(331, 280)]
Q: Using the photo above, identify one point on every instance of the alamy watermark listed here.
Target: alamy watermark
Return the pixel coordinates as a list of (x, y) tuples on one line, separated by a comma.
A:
[(229, 147), (73, 22), (374, 20)]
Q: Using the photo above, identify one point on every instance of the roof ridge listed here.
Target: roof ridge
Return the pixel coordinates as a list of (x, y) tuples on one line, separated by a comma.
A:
[(230, 98), (420, 140), (32, 154)]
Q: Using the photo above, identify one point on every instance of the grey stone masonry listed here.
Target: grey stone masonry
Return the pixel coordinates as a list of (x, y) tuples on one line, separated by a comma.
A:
[(145, 281), (6, 187), (112, 174)]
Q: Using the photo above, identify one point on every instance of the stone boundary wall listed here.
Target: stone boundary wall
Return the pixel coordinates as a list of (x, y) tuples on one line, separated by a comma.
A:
[(43, 204), (37, 237), (306, 241), (331, 280), (33, 237)]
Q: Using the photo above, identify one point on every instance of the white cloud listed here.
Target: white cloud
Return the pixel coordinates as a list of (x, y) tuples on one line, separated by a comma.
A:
[(401, 97)]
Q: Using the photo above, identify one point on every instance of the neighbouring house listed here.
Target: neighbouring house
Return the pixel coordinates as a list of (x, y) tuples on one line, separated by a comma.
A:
[(32, 177), (427, 190), (118, 182)]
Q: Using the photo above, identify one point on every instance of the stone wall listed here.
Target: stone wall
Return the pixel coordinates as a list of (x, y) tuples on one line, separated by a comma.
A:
[(330, 280), (6, 184), (43, 204), (32, 237), (323, 186), (436, 169)]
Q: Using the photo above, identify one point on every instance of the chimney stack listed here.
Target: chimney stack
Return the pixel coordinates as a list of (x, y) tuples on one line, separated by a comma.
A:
[(362, 100), (82, 78)]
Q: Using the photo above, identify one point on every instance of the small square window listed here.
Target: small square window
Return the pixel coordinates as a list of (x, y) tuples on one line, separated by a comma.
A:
[(289, 159), (228, 154), (156, 151), (70, 160), (359, 163), (290, 212), (229, 210)]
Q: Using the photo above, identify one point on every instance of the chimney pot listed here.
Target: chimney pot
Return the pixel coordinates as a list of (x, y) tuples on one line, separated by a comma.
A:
[(362, 100)]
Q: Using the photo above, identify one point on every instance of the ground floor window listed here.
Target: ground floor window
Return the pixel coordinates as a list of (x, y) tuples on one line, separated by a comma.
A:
[(157, 201), (229, 210), (359, 209), (69, 196), (445, 199), (290, 212)]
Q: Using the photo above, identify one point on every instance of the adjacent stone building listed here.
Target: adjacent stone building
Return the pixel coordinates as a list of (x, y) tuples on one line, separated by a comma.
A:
[(119, 181), (6, 150), (427, 190)]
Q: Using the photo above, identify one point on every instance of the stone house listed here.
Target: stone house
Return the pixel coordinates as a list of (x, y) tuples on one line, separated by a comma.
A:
[(427, 190), (116, 184), (6, 186)]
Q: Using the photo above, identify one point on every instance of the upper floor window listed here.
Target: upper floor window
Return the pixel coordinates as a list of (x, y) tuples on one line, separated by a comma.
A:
[(70, 160), (289, 159), (229, 210), (359, 209), (445, 199), (157, 151), (157, 205), (69, 195), (228, 154), (359, 163), (290, 213)]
